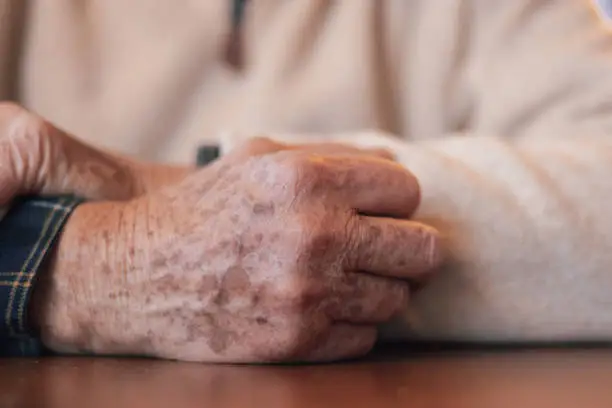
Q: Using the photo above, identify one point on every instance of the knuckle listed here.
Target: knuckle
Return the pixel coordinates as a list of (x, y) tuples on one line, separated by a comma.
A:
[(295, 167), (299, 295), (303, 173), (354, 233), (292, 340), (316, 237), (18, 123), (318, 240), (275, 174), (287, 175), (297, 338)]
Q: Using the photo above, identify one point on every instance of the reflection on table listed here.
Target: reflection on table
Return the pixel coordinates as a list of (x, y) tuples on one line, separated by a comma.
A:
[(397, 378)]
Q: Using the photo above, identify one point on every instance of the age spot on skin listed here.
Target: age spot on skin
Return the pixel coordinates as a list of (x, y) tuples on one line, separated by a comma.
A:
[(168, 284), (106, 270), (236, 279), (264, 209), (207, 285), (235, 282), (159, 261), (219, 341), (222, 298), (198, 326)]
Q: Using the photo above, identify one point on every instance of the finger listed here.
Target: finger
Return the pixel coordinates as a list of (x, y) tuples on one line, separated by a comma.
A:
[(9, 184), (383, 153), (340, 148), (86, 171), (369, 185), (363, 298), (258, 146), (38, 158), (344, 341), (390, 247), (255, 146), (16, 160)]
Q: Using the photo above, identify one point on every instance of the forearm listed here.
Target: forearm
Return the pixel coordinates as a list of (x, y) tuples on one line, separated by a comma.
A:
[(530, 243), (523, 194), (529, 246)]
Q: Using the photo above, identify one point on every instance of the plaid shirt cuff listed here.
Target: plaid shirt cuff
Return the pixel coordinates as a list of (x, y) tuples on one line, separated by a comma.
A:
[(27, 232)]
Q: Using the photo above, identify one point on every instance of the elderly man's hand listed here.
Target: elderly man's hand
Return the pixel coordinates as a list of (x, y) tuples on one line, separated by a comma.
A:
[(38, 158), (263, 256)]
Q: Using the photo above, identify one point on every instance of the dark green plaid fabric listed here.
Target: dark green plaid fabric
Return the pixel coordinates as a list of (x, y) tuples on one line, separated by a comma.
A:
[(27, 233)]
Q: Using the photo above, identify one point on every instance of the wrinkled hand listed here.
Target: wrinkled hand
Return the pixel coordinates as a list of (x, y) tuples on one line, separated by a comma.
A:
[(285, 256), (38, 158)]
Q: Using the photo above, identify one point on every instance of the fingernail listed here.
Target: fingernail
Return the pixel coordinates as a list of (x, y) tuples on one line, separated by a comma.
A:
[(435, 248)]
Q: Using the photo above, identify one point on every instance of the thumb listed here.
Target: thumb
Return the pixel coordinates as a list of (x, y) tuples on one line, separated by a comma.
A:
[(38, 158), (260, 145)]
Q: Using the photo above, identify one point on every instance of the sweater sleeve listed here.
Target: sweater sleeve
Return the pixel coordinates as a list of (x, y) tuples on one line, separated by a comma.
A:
[(529, 237), (12, 22), (523, 194), (522, 190)]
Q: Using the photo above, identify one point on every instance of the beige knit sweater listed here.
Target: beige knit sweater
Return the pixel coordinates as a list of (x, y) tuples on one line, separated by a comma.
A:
[(502, 108)]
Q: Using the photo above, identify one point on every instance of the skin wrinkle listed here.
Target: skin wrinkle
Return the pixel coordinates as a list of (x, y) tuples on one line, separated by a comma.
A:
[(241, 261), (39, 158)]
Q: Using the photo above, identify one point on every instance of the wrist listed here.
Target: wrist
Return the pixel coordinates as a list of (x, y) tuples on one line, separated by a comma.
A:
[(148, 177), (68, 304)]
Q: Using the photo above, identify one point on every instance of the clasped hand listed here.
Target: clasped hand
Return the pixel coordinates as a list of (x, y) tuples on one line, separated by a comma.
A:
[(271, 253)]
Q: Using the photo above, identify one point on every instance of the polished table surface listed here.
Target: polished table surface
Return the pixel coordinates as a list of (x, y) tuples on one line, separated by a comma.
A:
[(392, 378)]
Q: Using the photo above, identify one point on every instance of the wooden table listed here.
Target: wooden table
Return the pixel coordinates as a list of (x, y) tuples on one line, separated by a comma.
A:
[(470, 379)]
